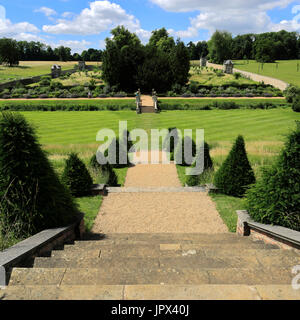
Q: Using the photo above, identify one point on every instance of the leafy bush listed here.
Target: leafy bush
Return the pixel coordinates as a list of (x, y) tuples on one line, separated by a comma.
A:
[(237, 75), (179, 153), (296, 104), (174, 139), (45, 81), (275, 198), (208, 166), (291, 92), (117, 154), (30, 190), (235, 175), (76, 176)]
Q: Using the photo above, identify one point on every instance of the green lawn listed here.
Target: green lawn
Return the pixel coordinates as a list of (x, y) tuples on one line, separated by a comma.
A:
[(90, 207), (227, 207), (28, 69), (285, 70)]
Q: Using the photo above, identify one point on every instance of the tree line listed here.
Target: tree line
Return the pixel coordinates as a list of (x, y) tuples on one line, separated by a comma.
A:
[(264, 47), (12, 51)]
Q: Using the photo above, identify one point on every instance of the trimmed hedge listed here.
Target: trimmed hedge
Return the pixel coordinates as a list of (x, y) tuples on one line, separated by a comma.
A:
[(275, 198), (235, 174), (31, 192), (63, 106), (221, 105), (208, 166), (76, 176), (106, 171)]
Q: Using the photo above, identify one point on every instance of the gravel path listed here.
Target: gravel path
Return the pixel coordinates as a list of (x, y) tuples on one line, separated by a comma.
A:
[(256, 77), (157, 212)]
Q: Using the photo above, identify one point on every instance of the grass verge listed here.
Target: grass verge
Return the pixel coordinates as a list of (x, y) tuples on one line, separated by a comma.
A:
[(227, 207), (90, 207)]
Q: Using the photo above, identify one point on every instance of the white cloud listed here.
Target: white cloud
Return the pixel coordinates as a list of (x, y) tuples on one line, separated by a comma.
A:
[(204, 5), (67, 14), (99, 17), (236, 16), (289, 25), (9, 29), (2, 13), (75, 45), (48, 12)]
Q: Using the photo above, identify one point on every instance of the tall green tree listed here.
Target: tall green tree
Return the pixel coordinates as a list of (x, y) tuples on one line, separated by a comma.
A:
[(121, 58), (220, 47), (9, 53)]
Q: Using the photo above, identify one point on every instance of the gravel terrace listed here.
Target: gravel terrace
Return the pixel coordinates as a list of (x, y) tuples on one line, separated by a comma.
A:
[(154, 212)]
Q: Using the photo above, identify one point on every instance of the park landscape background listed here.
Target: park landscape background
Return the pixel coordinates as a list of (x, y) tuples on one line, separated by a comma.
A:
[(61, 129)]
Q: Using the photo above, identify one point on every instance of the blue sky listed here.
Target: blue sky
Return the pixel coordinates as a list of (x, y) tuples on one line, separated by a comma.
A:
[(81, 24)]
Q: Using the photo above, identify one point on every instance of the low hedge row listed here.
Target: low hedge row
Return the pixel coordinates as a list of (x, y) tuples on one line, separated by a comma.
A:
[(55, 106), (224, 105), (64, 107)]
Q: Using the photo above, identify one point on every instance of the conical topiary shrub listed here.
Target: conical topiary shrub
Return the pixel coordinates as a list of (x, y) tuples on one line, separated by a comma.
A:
[(106, 171), (179, 152), (275, 198), (235, 175), (120, 152), (174, 139), (196, 180), (76, 176), (30, 191)]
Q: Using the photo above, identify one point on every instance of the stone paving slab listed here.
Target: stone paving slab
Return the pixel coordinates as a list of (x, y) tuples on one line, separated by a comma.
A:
[(192, 292), (35, 276), (151, 292)]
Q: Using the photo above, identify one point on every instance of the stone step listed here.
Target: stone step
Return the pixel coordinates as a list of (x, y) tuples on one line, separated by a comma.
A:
[(151, 292), (156, 276), (148, 109), (180, 262), (162, 251), (235, 244), (169, 236)]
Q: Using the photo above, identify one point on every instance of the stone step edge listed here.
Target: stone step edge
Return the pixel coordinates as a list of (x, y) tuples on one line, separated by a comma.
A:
[(155, 189), (152, 292)]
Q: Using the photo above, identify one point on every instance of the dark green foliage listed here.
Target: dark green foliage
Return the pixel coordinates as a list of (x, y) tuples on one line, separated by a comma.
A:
[(128, 65), (174, 138), (196, 180), (275, 198), (291, 92), (9, 54), (105, 170), (126, 140), (192, 181), (30, 191), (235, 175), (220, 47), (187, 146), (117, 154), (296, 104), (76, 176)]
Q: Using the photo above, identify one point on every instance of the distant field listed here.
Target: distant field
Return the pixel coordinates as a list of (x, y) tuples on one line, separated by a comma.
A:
[(285, 70), (28, 69)]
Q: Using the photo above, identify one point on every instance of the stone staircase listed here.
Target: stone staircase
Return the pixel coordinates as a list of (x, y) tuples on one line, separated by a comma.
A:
[(159, 267)]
